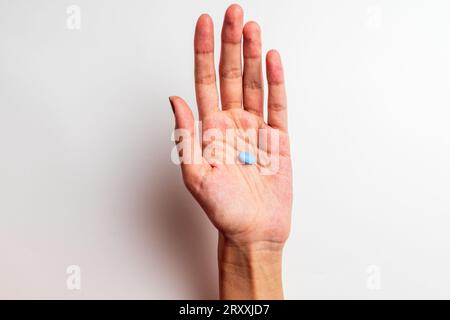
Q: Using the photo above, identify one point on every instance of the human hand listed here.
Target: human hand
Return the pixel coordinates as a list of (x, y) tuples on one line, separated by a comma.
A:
[(251, 210)]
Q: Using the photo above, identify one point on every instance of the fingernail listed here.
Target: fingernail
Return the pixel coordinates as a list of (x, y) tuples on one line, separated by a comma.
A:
[(171, 104)]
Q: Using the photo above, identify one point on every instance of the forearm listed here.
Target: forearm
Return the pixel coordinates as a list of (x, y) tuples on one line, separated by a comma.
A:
[(250, 271)]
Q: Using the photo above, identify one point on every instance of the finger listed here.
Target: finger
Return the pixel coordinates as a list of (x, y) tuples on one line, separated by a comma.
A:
[(253, 78), (277, 102), (205, 74), (230, 69), (193, 165)]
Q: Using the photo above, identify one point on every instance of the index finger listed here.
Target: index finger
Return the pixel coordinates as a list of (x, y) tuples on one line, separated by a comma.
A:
[(205, 74)]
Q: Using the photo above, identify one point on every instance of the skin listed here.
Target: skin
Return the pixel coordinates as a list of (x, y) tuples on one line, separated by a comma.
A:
[(251, 211)]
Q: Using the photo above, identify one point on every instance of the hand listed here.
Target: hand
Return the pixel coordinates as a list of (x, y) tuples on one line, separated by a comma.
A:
[(251, 210)]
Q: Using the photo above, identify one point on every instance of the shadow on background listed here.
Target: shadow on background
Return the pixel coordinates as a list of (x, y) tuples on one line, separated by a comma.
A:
[(171, 217)]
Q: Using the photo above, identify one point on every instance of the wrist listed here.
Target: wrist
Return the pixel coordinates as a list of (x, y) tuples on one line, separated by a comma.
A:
[(248, 253), (250, 270)]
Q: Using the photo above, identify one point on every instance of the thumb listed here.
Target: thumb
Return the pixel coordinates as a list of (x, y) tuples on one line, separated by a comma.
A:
[(192, 163)]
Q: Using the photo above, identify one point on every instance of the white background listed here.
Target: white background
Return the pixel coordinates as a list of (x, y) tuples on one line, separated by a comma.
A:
[(85, 171)]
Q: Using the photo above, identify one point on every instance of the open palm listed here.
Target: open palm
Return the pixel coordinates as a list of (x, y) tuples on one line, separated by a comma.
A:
[(247, 203)]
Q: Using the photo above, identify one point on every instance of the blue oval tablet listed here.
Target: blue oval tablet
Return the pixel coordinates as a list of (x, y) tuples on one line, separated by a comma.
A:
[(247, 158)]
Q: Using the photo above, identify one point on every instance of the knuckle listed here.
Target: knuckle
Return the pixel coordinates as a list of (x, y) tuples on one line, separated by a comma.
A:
[(253, 84), (276, 106), (230, 73), (231, 104), (207, 78)]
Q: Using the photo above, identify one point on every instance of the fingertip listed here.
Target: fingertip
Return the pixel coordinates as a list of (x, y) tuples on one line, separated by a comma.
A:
[(232, 24), (274, 67), (273, 56), (174, 103), (252, 40), (204, 34), (180, 108), (234, 11), (174, 100), (251, 29), (204, 20)]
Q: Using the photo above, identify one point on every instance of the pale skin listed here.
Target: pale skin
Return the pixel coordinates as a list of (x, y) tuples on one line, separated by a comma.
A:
[(251, 211)]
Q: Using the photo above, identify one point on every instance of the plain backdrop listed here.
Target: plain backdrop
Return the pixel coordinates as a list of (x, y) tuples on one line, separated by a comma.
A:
[(85, 140)]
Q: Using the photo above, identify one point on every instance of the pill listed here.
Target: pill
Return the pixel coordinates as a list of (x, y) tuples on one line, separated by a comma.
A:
[(247, 158)]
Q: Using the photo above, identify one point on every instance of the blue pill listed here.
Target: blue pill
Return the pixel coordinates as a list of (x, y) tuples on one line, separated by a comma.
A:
[(247, 158)]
